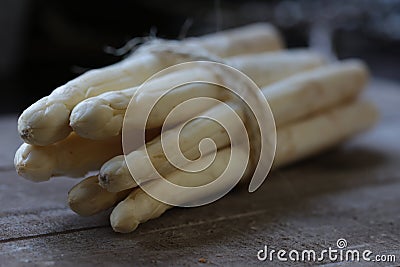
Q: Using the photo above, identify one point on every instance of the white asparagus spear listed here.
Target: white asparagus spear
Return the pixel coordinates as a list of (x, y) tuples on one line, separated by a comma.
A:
[(138, 207), (115, 176), (88, 197), (333, 84), (311, 91), (73, 157), (295, 141), (289, 98), (101, 116), (47, 121), (309, 136), (253, 38), (269, 67)]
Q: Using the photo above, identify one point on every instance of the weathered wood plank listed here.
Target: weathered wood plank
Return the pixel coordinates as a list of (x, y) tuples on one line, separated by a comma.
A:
[(232, 230), (351, 192)]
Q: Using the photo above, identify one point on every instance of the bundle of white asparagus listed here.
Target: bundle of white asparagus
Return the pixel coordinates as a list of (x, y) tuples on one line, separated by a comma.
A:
[(77, 129)]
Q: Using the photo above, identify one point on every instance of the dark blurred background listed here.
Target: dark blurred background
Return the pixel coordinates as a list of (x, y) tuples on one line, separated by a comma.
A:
[(44, 43)]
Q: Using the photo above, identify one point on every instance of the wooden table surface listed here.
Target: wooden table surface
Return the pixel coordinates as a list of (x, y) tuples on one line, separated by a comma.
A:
[(350, 192)]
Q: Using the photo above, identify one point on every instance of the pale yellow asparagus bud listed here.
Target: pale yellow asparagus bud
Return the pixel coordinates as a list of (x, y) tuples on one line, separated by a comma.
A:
[(47, 121), (101, 117), (295, 141), (88, 197), (73, 157), (137, 208)]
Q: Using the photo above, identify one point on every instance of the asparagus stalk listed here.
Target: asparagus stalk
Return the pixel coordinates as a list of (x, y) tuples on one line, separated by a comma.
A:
[(289, 100), (74, 157), (138, 207), (253, 38), (115, 176), (88, 197), (269, 67), (47, 121), (295, 141), (322, 88), (101, 116)]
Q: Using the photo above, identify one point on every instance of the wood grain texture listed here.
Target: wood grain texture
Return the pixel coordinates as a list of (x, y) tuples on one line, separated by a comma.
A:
[(350, 192)]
